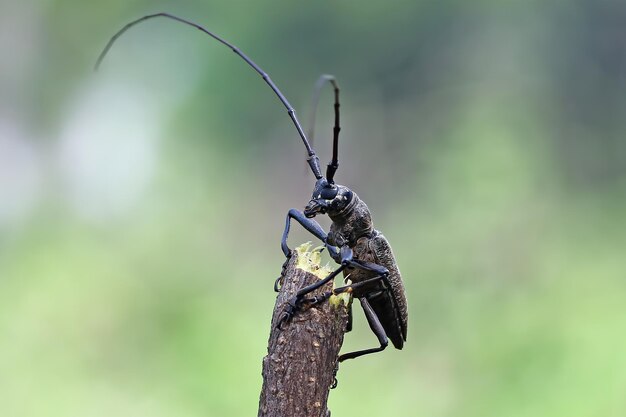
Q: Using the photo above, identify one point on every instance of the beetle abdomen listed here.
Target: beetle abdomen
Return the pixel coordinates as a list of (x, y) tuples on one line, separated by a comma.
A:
[(397, 295), (389, 304)]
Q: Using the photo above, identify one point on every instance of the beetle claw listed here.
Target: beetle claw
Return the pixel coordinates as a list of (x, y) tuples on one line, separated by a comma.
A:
[(279, 281), (278, 284), (335, 382), (290, 309)]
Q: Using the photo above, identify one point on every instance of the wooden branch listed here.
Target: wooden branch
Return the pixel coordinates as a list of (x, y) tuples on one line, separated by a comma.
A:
[(299, 368)]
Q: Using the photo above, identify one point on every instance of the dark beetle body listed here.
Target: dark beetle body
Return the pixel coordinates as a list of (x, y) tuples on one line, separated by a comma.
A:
[(353, 225), (363, 254), (365, 258)]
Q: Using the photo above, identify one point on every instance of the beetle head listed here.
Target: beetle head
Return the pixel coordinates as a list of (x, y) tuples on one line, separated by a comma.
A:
[(327, 198)]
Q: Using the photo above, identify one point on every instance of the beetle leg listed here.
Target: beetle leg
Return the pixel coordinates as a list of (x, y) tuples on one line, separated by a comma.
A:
[(335, 382), (377, 328), (349, 325), (351, 287), (369, 266), (296, 302), (336, 291), (372, 318), (313, 227), (310, 225), (382, 275), (279, 281), (289, 310)]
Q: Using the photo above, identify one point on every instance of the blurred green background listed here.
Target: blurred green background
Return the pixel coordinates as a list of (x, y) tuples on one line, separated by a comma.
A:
[(141, 208)]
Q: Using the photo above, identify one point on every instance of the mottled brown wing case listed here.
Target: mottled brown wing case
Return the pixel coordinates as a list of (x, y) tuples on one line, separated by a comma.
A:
[(382, 250)]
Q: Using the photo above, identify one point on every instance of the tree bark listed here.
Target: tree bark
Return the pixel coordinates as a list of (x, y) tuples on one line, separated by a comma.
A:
[(300, 366)]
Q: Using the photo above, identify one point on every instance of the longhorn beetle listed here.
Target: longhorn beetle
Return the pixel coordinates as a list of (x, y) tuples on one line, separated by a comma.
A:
[(362, 252)]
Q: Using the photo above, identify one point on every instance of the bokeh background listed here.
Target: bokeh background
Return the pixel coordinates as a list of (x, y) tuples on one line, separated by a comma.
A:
[(141, 208)]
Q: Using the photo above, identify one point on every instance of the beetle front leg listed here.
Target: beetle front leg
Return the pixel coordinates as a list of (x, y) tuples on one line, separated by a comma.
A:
[(278, 281), (310, 225)]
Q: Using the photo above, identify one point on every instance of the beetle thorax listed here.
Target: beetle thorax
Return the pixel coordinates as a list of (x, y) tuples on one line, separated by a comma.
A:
[(350, 223)]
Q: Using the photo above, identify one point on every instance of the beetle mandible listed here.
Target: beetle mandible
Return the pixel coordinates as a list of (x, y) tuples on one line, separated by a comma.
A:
[(362, 252)]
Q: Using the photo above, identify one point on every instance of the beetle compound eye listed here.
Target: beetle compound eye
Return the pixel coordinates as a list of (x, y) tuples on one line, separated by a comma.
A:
[(329, 193)]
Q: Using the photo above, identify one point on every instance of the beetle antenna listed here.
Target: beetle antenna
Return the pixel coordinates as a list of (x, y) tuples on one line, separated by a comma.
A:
[(334, 164), (312, 158)]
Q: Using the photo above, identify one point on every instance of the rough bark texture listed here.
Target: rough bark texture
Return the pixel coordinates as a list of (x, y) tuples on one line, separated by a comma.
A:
[(299, 368)]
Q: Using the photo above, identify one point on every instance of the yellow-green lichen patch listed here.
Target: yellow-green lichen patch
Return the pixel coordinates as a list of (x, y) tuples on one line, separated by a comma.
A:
[(336, 300), (309, 261), (344, 297)]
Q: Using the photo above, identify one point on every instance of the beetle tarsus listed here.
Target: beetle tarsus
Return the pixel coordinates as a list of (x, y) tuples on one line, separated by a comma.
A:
[(291, 307), (279, 281), (335, 382)]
